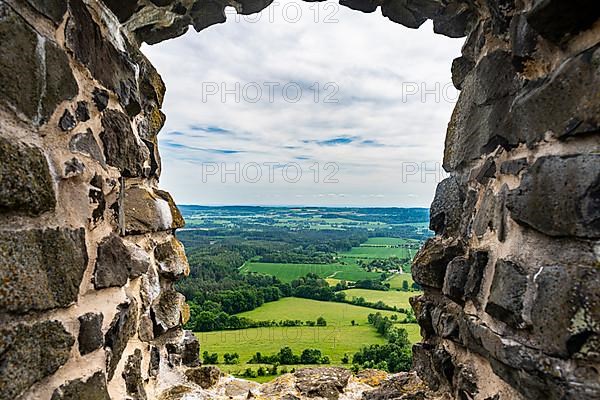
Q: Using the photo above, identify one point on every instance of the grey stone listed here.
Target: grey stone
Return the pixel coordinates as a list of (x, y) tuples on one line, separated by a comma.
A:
[(148, 211), (41, 269), (567, 185), (513, 167), (82, 112), (73, 167), (21, 91), (454, 20), (322, 382), (166, 311), (44, 79), (478, 261), (523, 39), (53, 9), (366, 6), (409, 385), (86, 143), (110, 66), (96, 196), (121, 147), (461, 66), (557, 20), (486, 172), (484, 217), (153, 34), (67, 121), (132, 374), (60, 84), (429, 265), (481, 119), (432, 365), (154, 365), (94, 388), (123, 9), (563, 103), (507, 293), (190, 356), (171, 259), (90, 332), (26, 186), (412, 13), (207, 13), (456, 277), (205, 377), (116, 263), (100, 98), (118, 335), (447, 208), (29, 353)]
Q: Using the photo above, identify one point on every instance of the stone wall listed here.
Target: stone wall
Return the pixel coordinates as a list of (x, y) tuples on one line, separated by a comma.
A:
[(87, 254)]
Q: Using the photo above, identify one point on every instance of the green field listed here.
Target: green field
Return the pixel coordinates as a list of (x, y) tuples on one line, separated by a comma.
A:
[(396, 280), (336, 314), (289, 272), (378, 252), (391, 298), (388, 241)]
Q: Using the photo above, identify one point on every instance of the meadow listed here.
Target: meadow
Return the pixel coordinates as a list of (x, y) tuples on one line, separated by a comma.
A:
[(391, 298), (378, 252), (397, 280), (336, 314), (289, 272)]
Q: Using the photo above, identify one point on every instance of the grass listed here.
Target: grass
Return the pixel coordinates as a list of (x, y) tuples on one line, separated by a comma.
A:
[(336, 314), (388, 241), (289, 272), (391, 298), (396, 280), (378, 252)]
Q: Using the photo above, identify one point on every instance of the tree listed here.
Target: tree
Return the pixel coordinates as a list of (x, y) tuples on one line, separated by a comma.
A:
[(261, 371), (353, 322), (210, 358), (233, 358), (405, 286), (321, 321), (345, 359)]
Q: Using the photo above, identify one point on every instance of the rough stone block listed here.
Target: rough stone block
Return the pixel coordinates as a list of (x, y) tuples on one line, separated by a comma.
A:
[(122, 148), (456, 277), (118, 335), (429, 266), (25, 182), (86, 143), (90, 332), (507, 294), (171, 259), (116, 262), (558, 20), (132, 374), (447, 208), (205, 377), (567, 185), (166, 311), (53, 9), (564, 103), (146, 211), (29, 353), (94, 388), (41, 269)]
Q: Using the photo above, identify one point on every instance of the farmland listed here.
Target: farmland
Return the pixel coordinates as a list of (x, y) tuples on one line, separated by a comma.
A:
[(336, 314), (289, 272), (392, 298)]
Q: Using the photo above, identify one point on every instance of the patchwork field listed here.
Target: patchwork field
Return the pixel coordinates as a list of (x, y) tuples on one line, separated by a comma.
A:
[(336, 314), (289, 272), (391, 298), (396, 280), (388, 241), (378, 252)]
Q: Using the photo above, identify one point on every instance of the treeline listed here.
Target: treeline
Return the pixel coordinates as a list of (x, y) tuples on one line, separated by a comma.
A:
[(286, 356), (394, 356)]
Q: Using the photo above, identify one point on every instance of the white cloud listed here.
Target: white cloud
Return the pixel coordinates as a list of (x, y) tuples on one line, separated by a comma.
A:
[(370, 133)]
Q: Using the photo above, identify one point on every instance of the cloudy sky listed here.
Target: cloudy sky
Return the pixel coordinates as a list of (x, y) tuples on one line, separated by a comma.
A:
[(305, 104)]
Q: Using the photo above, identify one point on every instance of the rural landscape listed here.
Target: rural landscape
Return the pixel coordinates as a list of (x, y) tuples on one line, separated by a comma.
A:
[(273, 289)]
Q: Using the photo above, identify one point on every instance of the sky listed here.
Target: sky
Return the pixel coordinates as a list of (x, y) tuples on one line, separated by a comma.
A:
[(305, 104)]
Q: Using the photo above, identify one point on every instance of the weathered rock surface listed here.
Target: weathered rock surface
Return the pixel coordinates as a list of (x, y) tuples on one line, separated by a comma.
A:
[(568, 185), (25, 182), (121, 330), (122, 148), (41, 269), (132, 374), (146, 211), (90, 332), (327, 383), (171, 259), (508, 293), (205, 377), (93, 388), (116, 262), (29, 353), (429, 265), (167, 310)]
